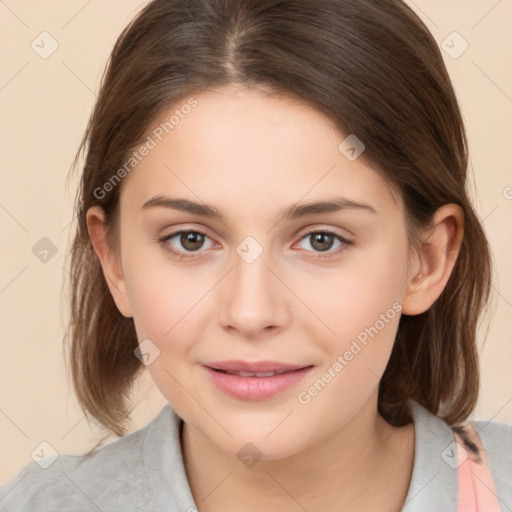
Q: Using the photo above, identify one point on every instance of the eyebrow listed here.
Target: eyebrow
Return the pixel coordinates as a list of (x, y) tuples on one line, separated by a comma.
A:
[(293, 211)]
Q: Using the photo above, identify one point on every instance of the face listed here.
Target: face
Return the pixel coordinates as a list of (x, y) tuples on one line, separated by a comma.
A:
[(316, 294)]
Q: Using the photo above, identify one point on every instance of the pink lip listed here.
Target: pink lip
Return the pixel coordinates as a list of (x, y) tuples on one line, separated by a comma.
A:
[(255, 388), (259, 366)]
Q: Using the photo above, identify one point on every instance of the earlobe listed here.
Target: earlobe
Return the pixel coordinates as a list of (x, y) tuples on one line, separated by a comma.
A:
[(436, 258), (108, 258)]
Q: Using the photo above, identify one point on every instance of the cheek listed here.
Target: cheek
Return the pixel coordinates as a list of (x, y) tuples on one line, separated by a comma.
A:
[(162, 296), (165, 310), (357, 311), (354, 297), (161, 312), (356, 355)]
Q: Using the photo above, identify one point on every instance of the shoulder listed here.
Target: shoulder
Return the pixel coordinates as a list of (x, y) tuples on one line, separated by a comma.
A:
[(81, 482), (435, 478), (496, 437), (497, 442)]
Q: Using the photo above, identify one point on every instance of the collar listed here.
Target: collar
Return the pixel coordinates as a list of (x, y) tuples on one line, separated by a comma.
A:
[(433, 482)]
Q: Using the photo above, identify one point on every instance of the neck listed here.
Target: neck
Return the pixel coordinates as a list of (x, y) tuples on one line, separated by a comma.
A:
[(365, 465)]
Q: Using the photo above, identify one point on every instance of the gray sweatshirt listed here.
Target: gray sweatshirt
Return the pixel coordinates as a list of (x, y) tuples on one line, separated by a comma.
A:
[(144, 471)]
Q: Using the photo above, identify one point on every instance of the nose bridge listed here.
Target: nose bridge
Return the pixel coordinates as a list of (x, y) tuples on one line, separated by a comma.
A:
[(252, 299)]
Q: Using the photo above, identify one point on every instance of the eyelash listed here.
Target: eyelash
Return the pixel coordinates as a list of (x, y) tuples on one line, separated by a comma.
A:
[(184, 256)]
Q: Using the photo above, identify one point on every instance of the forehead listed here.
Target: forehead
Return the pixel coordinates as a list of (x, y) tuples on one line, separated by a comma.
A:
[(239, 148)]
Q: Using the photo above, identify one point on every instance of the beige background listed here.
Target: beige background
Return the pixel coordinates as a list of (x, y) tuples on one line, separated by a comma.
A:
[(45, 104)]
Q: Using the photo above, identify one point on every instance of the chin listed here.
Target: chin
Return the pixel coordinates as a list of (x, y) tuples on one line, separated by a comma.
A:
[(249, 452), (258, 443)]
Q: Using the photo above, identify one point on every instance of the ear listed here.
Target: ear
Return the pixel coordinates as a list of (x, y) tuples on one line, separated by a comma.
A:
[(109, 260), (434, 263)]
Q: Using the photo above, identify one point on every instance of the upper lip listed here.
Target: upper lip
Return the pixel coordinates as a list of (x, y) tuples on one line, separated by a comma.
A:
[(255, 367)]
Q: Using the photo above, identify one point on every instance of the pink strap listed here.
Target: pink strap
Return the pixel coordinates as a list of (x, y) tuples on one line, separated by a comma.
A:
[(477, 492)]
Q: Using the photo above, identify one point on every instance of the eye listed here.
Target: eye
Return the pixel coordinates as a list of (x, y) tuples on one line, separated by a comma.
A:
[(190, 240), (323, 240)]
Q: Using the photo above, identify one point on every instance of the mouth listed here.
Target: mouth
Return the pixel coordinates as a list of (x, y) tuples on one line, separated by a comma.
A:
[(251, 374), (255, 367), (255, 381)]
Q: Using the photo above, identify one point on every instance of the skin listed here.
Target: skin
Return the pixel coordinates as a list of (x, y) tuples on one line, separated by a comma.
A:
[(252, 155)]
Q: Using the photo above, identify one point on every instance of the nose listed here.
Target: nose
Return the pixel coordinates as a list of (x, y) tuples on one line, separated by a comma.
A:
[(254, 301)]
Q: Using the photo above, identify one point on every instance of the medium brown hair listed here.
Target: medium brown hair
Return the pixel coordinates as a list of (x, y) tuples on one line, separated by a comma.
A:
[(373, 68)]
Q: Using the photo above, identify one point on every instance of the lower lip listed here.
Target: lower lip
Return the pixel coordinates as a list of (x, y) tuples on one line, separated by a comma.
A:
[(256, 388)]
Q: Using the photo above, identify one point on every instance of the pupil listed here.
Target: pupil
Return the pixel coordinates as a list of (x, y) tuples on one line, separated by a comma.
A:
[(191, 240), (320, 238)]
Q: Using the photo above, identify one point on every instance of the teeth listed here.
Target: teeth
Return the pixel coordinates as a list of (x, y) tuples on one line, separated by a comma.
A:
[(254, 374)]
